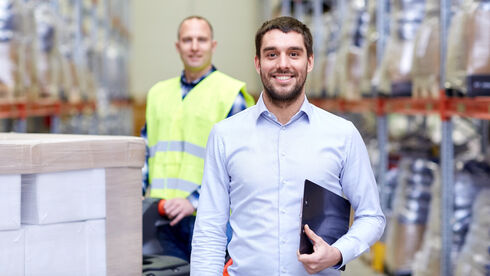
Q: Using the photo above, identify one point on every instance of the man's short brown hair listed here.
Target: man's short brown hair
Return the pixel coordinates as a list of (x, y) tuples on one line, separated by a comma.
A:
[(284, 24)]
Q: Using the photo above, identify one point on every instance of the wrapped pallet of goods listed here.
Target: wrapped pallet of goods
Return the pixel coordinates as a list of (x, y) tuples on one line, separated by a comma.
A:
[(70, 204), (409, 219), (348, 61), (10, 22), (394, 76), (456, 48), (47, 67), (368, 55), (466, 186), (475, 258), (478, 49), (70, 80), (426, 60), (28, 58), (329, 84)]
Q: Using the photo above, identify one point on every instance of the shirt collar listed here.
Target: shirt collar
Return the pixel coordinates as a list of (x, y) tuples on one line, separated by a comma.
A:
[(306, 109), (184, 81)]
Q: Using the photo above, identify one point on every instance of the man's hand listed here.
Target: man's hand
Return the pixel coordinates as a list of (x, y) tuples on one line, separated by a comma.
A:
[(178, 208), (323, 256)]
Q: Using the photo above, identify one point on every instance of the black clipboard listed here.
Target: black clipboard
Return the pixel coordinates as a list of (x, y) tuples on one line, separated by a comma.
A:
[(326, 213)]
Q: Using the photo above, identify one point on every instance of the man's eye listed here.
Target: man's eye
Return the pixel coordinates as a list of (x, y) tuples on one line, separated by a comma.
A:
[(271, 55), (203, 39), (294, 54)]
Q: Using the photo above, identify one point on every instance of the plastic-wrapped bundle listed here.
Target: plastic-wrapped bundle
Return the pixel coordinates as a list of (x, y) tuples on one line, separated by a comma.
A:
[(9, 48), (47, 69), (475, 258), (395, 71), (426, 60), (27, 61), (330, 82), (69, 77), (368, 54), (478, 61), (116, 77), (348, 61), (456, 47), (466, 186), (410, 214)]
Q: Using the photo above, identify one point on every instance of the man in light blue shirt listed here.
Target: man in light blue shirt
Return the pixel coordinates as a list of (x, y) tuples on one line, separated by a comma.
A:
[(256, 164)]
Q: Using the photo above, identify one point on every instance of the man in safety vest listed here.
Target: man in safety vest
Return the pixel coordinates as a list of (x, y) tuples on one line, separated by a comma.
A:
[(180, 113)]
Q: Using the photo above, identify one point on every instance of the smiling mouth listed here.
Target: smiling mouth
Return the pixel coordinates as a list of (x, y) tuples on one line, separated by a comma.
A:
[(282, 78)]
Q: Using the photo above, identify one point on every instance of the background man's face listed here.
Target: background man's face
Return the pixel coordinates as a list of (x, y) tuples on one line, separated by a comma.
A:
[(195, 44), (283, 65)]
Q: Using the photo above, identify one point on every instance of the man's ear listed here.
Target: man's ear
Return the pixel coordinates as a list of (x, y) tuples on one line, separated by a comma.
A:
[(257, 64), (311, 62)]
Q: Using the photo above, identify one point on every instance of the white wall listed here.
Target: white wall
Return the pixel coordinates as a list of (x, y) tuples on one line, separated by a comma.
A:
[(154, 26)]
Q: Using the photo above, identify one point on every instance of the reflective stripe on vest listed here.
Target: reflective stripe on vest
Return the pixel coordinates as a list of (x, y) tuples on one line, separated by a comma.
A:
[(174, 183), (164, 146)]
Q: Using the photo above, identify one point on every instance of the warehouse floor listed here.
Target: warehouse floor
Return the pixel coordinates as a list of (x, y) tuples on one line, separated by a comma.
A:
[(358, 267)]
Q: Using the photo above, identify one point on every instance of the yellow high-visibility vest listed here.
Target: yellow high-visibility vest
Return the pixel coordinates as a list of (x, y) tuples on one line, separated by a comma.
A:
[(178, 130)]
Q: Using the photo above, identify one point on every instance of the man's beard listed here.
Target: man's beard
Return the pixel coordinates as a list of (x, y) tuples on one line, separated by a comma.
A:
[(291, 96)]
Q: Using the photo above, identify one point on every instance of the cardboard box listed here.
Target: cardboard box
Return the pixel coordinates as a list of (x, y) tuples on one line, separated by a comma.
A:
[(12, 252), (122, 159), (55, 249), (80, 193), (96, 247), (9, 201)]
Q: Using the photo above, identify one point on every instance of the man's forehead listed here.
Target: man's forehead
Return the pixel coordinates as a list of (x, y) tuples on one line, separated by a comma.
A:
[(202, 24), (278, 39)]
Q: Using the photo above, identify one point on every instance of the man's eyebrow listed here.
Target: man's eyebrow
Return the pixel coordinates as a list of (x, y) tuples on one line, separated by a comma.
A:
[(269, 49), (294, 48)]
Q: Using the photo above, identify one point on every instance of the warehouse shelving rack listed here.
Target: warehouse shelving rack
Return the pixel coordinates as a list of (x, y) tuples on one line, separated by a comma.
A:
[(116, 20), (445, 107)]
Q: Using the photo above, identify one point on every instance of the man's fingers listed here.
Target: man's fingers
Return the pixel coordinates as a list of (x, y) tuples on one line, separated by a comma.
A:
[(313, 237), (177, 219)]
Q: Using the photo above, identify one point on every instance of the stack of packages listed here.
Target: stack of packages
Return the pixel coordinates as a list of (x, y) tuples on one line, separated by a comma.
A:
[(46, 65), (466, 186), (70, 205), (426, 60), (369, 55), (348, 60), (394, 73), (478, 39), (333, 21), (410, 214), (468, 57), (9, 49), (475, 255)]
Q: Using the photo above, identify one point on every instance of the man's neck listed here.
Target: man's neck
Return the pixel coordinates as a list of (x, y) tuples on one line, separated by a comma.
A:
[(191, 75), (283, 111)]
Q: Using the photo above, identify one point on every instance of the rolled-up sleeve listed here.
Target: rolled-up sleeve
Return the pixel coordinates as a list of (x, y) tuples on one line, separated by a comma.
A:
[(359, 186), (209, 238)]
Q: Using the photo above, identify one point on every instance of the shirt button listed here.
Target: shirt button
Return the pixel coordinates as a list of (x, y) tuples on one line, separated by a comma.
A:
[(283, 240), (283, 211), (283, 270), (283, 128), (283, 153)]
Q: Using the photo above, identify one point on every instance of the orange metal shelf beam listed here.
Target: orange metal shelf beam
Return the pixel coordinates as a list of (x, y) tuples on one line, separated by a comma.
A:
[(21, 109), (478, 107)]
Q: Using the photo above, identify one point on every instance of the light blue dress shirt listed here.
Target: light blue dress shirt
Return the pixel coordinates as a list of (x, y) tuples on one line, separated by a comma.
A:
[(255, 167)]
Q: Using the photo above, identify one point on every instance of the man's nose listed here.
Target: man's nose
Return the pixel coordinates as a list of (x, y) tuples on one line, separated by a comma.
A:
[(283, 61), (194, 44)]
